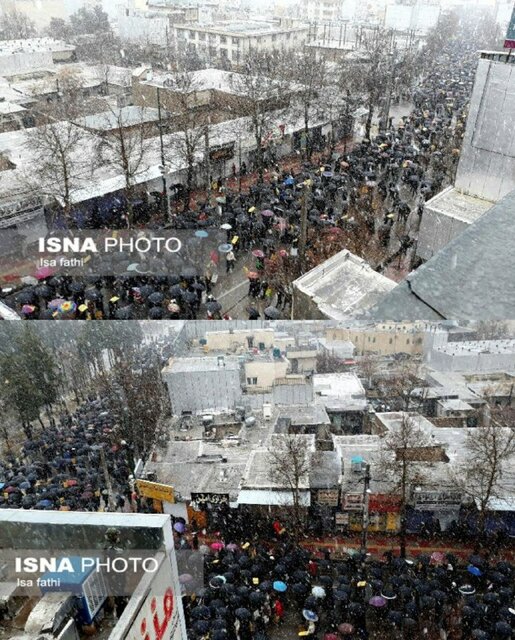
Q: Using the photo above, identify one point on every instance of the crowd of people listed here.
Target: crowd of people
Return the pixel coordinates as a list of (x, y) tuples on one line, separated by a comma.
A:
[(370, 197), (253, 588), (62, 467)]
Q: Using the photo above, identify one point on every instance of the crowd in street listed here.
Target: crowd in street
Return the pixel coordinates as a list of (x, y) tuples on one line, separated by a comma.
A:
[(253, 589), (372, 194), (63, 467)]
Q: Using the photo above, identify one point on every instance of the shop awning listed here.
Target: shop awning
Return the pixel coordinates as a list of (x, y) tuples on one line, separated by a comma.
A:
[(272, 498)]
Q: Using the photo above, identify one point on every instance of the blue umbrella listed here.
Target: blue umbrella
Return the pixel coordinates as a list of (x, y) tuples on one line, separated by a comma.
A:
[(25, 485), (289, 181), (279, 586), (474, 570), (311, 616), (225, 248), (201, 233), (44, 503)]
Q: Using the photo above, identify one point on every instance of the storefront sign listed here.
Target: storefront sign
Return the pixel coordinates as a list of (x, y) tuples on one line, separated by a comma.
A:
[(353, 502), (427, 500), (218, 154), (341, 519), (384, 503), (328, 497), (156, 491), (203, 501)]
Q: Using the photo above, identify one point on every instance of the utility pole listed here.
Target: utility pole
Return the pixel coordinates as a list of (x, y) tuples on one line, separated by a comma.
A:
[(364, 524), (161, 142), (239, 165)]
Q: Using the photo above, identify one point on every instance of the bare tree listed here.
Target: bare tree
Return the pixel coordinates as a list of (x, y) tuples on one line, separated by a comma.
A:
[(16, 25), (289, 459), (262, 94), (492, 330), (125, 147), (399, 460), (368, 367), (399, 387), (57, 168), (192, 122), (309, 75), (490, 460), (60, 162)]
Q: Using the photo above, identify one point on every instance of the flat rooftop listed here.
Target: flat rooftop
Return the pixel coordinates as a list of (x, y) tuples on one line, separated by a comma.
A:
[(33, 45), (455, 204), (340, 391), (479, 346), (187, 365), (125, 117), (343, 285), (247, 28)]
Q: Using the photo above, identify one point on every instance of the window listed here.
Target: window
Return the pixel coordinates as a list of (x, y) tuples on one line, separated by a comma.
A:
[(236, 41), (223, 40), (391, 340), (407, 340), (193, 35), (274, 37), (202, 37), (252, 381)]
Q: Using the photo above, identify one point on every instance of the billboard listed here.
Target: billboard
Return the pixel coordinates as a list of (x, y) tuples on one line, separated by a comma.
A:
[(159, 615), (155, 490), (509, 43)]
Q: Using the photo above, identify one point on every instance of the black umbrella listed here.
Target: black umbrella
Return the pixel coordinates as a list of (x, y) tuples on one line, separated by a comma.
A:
[(44, 291), (243, 614), (272, 313), (77, 287), (189, 273), (93, 294), (156, 313), (146, 290), (156, 298), (213, 306), (190, 297), (124, 313), (176, 291), (27, 296), (201, 612)]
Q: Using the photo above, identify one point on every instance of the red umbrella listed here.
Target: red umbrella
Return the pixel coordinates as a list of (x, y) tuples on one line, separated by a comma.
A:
[(335, 230), (72, 483), (217, 546), (10, 277)]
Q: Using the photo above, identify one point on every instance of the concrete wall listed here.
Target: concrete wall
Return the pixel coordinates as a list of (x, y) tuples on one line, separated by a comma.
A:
[(372, 340), (487, 163), (292, 394), (472, 362), (265, 372)]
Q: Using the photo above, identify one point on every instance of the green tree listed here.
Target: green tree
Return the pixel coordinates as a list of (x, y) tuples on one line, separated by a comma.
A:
[(86, 21)]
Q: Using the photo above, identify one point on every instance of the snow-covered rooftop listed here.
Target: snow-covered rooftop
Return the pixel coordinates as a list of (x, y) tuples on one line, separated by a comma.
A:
[(344, 283)]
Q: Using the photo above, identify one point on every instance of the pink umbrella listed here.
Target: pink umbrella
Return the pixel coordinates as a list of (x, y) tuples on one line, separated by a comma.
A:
[(267, 213), (257, 253), (217, 546), (44, 272), (437, 557), (232, 547), (27, 309), (283, 253)]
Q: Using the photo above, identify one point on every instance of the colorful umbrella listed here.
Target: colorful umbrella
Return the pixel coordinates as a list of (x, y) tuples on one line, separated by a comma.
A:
[(225, 248), (267, 213), (217, 546), (377, 601), (67, 307), (55, 304), (179, 527), (279, 586), (257, 253)]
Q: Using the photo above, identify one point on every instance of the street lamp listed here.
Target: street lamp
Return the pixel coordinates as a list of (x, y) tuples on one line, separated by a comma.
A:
[(163, 162)]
